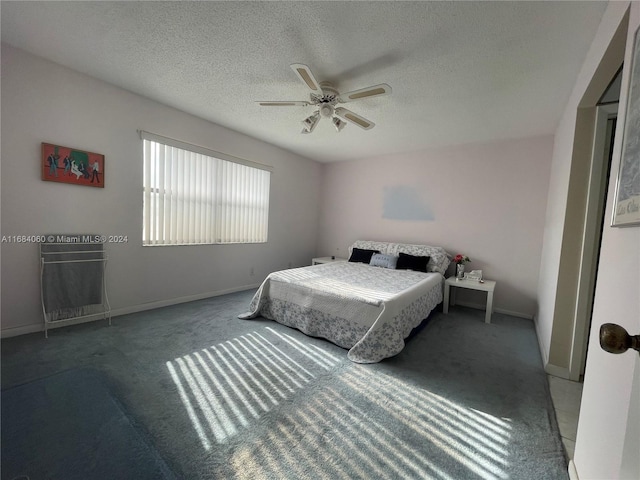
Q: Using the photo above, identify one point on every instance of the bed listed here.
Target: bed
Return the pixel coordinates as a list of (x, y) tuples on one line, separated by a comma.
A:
[(367, 309)]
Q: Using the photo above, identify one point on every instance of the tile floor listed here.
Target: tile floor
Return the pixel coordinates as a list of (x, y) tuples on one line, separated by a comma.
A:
[(566, 396)]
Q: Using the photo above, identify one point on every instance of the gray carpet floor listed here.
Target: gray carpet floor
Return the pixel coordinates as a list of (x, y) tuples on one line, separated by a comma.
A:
[(69, 426), (223, 398)]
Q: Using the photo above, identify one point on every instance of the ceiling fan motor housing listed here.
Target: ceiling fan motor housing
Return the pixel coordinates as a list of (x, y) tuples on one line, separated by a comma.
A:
[(328, 90)]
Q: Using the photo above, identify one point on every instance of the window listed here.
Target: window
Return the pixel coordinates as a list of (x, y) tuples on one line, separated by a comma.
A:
[(193, 195)]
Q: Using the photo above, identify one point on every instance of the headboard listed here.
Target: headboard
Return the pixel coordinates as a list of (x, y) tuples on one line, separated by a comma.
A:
[(439, 258)]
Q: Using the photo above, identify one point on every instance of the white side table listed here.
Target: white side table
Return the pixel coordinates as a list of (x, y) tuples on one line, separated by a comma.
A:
[(319, 260), (486, 286)]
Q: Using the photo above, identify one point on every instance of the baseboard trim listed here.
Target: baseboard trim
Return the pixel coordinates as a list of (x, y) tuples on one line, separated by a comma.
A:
[(16, 331), (178, 300), (573, 472), (526, 316), (39, 327), (557, 371), (543, 351), (550, 368), (511, 313)]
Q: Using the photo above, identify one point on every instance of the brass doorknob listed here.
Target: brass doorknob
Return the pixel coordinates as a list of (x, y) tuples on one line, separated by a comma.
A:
[(615, 339)]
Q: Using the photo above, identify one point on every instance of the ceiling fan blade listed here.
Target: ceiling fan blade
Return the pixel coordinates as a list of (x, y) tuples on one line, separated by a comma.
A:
[(283, 103), (354, 118), (304, 73), (374, 91)]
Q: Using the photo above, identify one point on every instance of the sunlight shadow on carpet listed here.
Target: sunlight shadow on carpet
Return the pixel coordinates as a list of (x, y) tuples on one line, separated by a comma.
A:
[(457, 431), (333, 438), (222, 387), (362, 423)]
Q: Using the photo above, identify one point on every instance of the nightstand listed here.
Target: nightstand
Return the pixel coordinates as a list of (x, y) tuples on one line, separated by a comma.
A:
[(486, 286), (319, 260)]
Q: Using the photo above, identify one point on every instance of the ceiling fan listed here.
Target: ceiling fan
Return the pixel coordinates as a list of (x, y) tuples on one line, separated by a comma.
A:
[(325, 98)]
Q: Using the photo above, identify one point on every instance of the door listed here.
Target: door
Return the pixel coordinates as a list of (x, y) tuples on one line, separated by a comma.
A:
[(608, 437)]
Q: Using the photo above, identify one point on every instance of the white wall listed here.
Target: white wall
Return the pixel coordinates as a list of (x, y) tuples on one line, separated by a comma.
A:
[(608, 438), (486, 201), (45, 102)]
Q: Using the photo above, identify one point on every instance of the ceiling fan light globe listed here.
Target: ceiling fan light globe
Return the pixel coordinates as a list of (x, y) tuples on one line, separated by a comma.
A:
[(326, 111)]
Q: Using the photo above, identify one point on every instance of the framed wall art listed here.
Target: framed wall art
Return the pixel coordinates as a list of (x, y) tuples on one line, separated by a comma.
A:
[(72, 165), (626, 206)]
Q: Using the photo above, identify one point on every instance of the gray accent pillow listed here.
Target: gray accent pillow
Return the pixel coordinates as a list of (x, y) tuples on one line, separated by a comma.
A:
[(383, 260)]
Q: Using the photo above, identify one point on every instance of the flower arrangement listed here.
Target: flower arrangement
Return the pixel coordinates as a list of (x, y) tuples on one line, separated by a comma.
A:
[(461, 259)]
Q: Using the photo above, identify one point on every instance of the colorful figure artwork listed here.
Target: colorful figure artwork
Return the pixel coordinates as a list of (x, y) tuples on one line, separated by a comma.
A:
[(70, 165)]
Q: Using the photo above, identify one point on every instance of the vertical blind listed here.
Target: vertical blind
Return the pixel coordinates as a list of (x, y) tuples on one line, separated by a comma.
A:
[(194, 198)]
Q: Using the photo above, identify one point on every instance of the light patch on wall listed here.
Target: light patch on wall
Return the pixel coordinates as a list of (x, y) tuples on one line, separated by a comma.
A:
[(405, 203)]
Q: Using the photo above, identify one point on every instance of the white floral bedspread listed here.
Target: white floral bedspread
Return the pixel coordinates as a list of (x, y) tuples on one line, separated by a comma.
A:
[(369, 310)]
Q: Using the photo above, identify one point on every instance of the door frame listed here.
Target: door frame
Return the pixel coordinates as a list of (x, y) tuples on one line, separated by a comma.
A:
[(590, 249)]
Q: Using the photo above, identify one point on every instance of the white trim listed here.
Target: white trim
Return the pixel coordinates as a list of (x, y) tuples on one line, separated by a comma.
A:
[(573, 471), (543, 351), (39, 327), (202, 150), (593, 215), (556, 371), (526, 316), (478, 306), (178, 300), (15, 331)]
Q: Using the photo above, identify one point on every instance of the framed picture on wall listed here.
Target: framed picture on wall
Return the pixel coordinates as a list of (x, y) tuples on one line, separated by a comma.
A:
[(72, 165), (626, 207)]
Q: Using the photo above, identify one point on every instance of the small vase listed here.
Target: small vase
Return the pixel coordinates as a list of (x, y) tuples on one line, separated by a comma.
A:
[(459, 271)]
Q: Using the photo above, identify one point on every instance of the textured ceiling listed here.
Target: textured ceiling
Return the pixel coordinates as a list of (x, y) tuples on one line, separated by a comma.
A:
[(461, 72)]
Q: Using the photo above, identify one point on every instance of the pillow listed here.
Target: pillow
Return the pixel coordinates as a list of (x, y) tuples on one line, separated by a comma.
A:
[(439, 258), (411, 262), (362, 256), (383, 260)]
